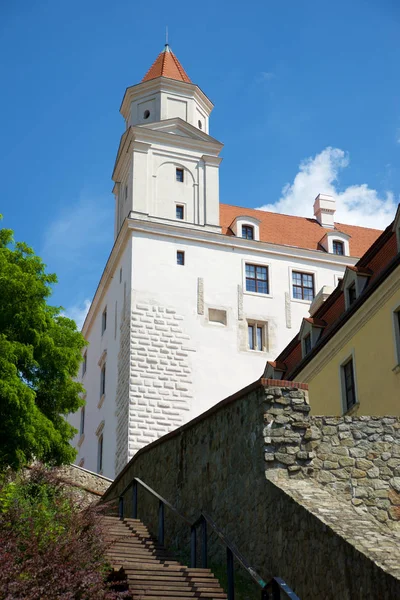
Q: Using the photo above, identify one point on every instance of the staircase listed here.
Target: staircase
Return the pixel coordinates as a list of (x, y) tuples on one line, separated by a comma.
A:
[(151, 574)]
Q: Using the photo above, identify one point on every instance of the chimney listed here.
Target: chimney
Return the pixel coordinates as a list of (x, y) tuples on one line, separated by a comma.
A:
[(324, 210)]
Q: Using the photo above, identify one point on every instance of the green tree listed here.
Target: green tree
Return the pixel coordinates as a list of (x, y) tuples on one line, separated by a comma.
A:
[(40, 353)]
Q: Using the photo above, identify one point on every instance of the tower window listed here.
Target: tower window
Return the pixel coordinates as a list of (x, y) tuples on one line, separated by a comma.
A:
[(146, 114), (179, 175), (338, 248), (82, 427), (180, 258), (84, 363), (257, 279), (180, 212), (103, 380), (200, 125), (100, 454), (104, 321), (248, 232)]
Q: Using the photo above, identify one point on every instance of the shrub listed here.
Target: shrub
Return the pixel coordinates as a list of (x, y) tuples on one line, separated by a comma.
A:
[(50, 547)]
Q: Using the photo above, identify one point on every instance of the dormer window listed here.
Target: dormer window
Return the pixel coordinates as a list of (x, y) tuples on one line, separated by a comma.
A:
[(336, 242), (354, 282), (274, 370), (310, 333), (248, 232), (338, 247), (179, 175), (246, 227)]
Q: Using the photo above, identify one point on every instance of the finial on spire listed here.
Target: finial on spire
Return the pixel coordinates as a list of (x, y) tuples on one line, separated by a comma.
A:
[(166, 35)]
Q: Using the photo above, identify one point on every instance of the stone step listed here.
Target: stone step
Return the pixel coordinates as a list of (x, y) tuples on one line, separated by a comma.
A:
[(149, 571)]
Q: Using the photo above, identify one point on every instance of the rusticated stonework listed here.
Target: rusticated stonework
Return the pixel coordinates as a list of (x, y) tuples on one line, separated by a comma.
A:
[(155, 357)]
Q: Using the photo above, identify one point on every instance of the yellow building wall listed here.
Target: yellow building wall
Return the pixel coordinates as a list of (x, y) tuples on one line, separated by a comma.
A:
[(373, 346)]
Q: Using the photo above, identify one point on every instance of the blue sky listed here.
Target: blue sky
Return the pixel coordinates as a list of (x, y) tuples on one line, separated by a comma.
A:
[(306, 94)]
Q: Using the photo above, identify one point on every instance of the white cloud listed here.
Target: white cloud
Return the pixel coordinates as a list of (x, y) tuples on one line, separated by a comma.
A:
[(356, 204), (78, 312)]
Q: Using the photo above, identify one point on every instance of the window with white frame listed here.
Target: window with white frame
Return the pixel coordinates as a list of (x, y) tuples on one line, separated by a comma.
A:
[(257, 279), (303, 287), (248, 232), (257, 333), (348, 382), (338, 247), (396, 323)]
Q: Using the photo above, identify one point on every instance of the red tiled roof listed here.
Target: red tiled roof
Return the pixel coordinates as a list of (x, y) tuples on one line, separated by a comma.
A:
[(300, 232), (378, 261), (166, 65)]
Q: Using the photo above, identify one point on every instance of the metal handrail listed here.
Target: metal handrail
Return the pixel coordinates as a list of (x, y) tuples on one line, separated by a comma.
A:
[(268, 590)]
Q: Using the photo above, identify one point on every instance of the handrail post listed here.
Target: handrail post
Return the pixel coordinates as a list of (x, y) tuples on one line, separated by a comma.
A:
[(276, 590), (204, 543), (230, 574), (121, 507), (161, 523), (135, 500), (193, 547), (264, 593)]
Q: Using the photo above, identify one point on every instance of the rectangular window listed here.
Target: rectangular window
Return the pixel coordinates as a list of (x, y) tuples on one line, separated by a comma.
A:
[(396, 316), (84, 363), (126, 192), (81, 462), (349, 384), (104, 321), (120, 275), (303, 286), (247, 232), (103, 380), (180, 258), (351, 294), (180, 212), (100, 454), (257, 279), (179, 175), (307, 344), (338, 248), (115, 320), (82, 427), (257, 336)]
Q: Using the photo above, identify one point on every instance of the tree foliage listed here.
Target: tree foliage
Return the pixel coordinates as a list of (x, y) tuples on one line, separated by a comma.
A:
[(40, 353), (50, 545)]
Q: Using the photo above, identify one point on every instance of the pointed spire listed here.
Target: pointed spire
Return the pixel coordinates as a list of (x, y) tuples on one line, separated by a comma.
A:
[(166, 65)]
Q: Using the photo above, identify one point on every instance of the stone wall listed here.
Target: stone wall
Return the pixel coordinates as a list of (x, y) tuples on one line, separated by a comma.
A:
[(248, 462), (357, 457), (91, 483)]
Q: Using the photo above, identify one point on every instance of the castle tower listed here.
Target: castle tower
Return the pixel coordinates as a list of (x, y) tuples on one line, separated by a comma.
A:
[(167, 165)]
